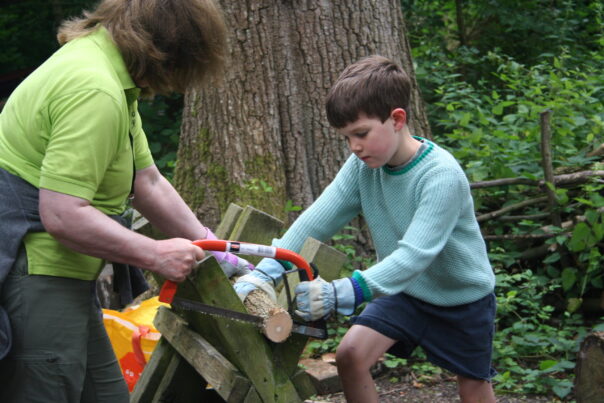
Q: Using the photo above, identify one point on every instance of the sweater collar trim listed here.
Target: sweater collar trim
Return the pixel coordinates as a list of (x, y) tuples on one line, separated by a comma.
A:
[(408, 167)]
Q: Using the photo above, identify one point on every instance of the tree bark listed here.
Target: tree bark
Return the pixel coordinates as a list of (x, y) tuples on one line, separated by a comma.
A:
[(589, 371), (261, 136)]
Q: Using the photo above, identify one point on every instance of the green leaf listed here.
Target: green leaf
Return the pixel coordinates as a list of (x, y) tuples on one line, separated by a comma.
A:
[(547, 364), (580, 238), (569, 277), (592, 216), (554, 257), (572, 304), (562, 388)]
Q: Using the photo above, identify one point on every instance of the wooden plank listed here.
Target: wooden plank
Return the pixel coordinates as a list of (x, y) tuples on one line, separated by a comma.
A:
[(147, 384), (329, 260), (252, 396), (240, 343), (303, 384), (180, 383), (202, 356), (256, 226), (228, 222)]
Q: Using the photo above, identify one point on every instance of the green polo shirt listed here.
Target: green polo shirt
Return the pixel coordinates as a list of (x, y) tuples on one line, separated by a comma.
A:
[(66, 128)]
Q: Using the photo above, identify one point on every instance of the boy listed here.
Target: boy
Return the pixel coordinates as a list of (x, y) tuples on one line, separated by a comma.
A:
[(433, 284)]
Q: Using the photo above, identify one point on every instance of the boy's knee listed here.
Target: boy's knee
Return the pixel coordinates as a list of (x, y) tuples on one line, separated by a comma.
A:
[(348, 356)]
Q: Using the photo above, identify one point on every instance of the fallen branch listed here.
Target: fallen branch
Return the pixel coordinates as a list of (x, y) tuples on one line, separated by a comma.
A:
[(512, 207), (547, 233), (565, 179), (523, 217), (515, 237)]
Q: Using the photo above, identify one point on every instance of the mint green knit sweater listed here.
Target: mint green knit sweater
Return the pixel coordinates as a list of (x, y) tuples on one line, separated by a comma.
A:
[(422, 223)]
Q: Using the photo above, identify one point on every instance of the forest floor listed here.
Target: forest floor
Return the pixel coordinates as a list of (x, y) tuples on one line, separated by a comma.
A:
[(395, 387)]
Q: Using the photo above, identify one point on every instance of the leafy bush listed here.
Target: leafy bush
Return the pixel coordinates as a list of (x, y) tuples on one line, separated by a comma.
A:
[(496, 133), (161, 118), (534, 348)]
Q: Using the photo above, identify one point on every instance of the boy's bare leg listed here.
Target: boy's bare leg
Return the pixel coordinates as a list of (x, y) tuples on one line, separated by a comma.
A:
[(360, 348), (475, 391)]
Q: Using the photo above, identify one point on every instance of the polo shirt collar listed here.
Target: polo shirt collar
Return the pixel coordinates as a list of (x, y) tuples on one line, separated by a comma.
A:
[(102, 38)]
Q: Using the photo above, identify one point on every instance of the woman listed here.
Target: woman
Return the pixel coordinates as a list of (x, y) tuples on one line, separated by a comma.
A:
[(72, 151)]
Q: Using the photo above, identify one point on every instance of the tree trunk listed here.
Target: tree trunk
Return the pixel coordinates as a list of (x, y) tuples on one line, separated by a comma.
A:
[(261, 136), (589, 371)]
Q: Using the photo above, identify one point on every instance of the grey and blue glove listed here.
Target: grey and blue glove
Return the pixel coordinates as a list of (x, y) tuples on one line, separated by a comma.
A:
[(318, 298), (266, 276), (231, 265)]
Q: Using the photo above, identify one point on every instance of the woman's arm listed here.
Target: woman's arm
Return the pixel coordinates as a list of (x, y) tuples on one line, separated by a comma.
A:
[(83, 228), (157, 200)]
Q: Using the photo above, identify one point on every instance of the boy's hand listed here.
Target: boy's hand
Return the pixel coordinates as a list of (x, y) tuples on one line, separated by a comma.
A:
[(266, 276), (232, 265), (318, 298)]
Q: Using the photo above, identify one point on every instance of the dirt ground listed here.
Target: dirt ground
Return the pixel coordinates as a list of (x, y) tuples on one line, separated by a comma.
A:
[(408, 390)]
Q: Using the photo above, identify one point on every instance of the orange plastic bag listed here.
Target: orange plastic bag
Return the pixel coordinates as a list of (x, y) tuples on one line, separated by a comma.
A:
[(133, 337)]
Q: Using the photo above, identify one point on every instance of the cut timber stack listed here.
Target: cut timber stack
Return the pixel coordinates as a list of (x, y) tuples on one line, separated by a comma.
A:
[(589, 372), (207, 358)]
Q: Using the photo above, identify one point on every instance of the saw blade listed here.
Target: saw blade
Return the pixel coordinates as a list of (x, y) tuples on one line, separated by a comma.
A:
[(243, 317), (217, 311), (309, 331)]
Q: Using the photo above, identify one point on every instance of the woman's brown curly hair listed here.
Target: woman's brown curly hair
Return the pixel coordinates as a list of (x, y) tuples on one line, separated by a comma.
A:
[(167, 45)]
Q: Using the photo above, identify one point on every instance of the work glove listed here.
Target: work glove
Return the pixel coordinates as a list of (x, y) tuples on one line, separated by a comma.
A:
[(318, 298), (265, 277), (231, 265)]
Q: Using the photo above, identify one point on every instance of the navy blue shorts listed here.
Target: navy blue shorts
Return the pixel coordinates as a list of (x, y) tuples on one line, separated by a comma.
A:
[(457, 338)]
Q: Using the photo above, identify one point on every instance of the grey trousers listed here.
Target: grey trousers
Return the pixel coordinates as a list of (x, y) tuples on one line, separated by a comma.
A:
[(61, 351)]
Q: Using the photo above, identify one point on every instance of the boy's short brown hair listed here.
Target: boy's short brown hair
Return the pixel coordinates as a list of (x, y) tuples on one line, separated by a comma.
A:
[(167, 45), (374, 86)]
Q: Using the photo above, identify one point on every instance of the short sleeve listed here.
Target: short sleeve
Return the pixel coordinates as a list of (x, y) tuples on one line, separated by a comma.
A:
[(84, 138)]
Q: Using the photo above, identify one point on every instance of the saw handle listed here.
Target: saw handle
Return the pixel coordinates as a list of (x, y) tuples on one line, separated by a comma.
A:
[(169, 288)]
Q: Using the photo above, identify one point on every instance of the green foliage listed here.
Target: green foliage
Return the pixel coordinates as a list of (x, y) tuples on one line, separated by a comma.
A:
[(584, 240), (496, 133), (336, 329), (344, 242), (258, 185), (162, 118), (28, 31), (534, 348)]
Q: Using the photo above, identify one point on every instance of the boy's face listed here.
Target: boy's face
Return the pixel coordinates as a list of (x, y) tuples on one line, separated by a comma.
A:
[(374, 142)]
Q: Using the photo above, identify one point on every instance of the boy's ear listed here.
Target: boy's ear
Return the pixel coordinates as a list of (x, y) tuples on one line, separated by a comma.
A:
[(400, 118)]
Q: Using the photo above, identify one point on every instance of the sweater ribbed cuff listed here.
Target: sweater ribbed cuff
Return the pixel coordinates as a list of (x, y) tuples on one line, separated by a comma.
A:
[(358, 292), (358, 277)]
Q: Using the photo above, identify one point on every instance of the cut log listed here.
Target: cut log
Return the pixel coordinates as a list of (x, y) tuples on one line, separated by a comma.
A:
[(589, 372), (277, 321)]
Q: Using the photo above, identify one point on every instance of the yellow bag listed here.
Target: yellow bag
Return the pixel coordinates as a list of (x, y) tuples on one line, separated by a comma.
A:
[(133, 337)]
